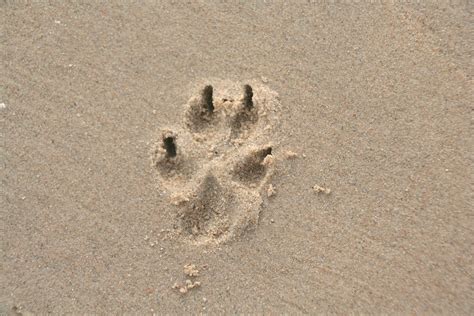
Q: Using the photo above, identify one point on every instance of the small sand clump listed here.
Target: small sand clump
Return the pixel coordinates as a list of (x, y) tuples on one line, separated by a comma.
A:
[(190, 270), (179, 198), (319, 189), (268, 161), (291, 154), (271, 190), (188, 285)]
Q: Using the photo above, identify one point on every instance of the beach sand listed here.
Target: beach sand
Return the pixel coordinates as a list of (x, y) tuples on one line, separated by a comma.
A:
[(341, 182)]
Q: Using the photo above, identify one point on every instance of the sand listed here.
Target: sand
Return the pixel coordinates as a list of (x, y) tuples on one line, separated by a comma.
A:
[(340, 183)]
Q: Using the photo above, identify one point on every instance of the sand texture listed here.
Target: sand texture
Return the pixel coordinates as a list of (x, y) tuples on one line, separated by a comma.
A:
[(222, 157)]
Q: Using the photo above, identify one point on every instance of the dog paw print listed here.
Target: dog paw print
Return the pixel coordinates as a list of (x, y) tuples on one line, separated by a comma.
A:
[(218, 163)]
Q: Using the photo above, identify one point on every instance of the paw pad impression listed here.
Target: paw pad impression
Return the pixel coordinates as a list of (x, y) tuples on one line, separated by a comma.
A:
[(216, 165)]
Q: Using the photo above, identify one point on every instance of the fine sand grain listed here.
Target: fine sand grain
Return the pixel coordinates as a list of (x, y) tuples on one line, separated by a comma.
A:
[(276, 157)]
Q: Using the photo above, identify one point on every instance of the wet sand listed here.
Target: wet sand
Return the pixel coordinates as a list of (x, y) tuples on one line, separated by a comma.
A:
[(375, 107)]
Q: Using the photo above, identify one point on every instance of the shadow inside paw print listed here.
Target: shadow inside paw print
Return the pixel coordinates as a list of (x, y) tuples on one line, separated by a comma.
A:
[(216, 165)]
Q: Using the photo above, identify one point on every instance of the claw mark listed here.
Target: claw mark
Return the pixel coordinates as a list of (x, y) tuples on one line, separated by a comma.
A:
[(207, 99), (200, 112), (245, 118), (248, 95), (170, 146), (168, 159), (265, 152), (253, 167)]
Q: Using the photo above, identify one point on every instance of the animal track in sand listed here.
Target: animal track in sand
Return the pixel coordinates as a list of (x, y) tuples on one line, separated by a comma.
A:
[(216, 165)]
